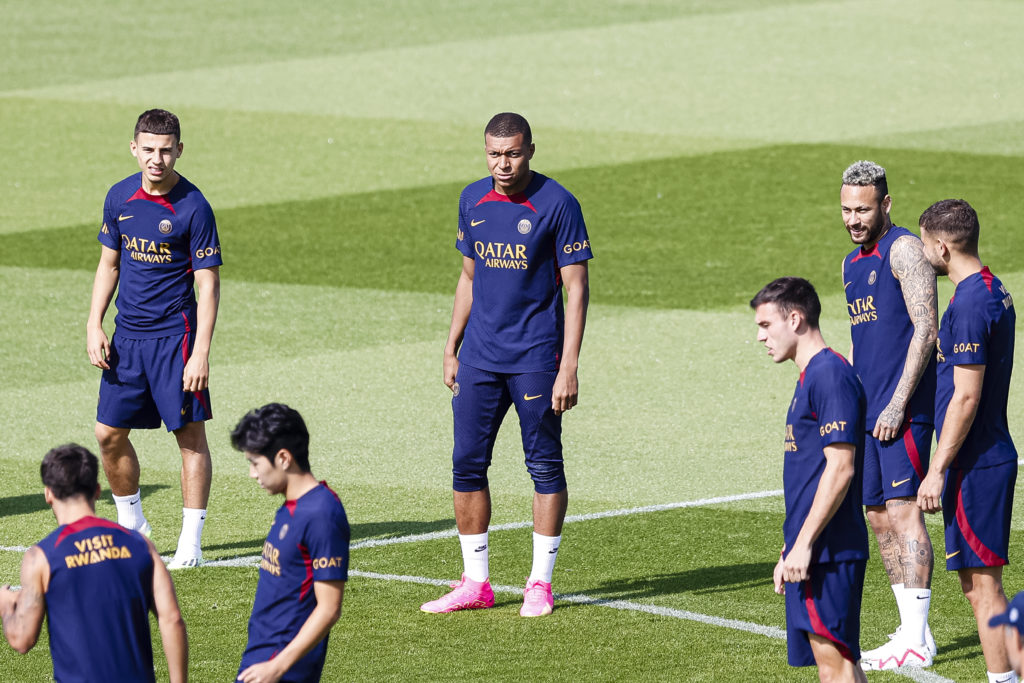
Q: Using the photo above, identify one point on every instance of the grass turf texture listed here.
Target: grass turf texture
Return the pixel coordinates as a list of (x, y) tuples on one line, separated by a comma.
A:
[(704, 140)]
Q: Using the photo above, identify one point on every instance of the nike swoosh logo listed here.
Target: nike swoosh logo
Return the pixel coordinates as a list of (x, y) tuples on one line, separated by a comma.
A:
[(527, 397), (900, 482), (473, 224), (122, 217), (847, 284), (949, 555)]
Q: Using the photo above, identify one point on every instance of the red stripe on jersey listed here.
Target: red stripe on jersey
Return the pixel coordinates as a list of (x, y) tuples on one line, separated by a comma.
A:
[(155, 198), (86, 523), (324, 484), (986, 277), (980, 549), (865, 254), (495, 196), (307, 583), (818, 625), (912, 452), (839, 354)]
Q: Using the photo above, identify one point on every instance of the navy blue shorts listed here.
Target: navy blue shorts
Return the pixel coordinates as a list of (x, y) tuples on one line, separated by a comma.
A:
[(827, 605), (894, 469), (479, 404), (143, 385), (976, 507)]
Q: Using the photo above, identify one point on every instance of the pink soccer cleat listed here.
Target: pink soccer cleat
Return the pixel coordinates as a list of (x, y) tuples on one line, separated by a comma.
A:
[(537, 600), (466, 594)]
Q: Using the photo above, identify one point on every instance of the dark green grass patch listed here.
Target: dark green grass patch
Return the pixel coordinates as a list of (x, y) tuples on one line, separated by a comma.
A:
[(695, 232)]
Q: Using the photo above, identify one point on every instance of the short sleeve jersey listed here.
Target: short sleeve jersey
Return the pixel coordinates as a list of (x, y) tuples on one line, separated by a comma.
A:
[(978, 329), (308, 542), (881, 329), (162, 239), (827, 408), (518, 243), (98, 602)]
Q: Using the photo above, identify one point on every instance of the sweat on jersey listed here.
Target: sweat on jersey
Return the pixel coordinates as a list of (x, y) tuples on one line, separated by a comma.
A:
[(518, 244), (98, 602), (881, 329), (978, 329), (162, 239), (827, 408)]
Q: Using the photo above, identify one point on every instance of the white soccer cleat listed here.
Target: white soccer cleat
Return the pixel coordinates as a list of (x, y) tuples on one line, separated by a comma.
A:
[(929, 643), (188, 562), (895, 654), (146, 530)]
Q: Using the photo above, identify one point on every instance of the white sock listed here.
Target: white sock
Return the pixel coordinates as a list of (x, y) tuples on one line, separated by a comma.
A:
[(474, 556), (129, 511), (914, 604), (1008, 677), (192, 521), (545, 551)]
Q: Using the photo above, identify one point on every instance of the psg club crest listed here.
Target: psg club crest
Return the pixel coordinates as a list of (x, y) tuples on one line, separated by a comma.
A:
[(164, 227), (283, 532), (872, 277), (525, 226)]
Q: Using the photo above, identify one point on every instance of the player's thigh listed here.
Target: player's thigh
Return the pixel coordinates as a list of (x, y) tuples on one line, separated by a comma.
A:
[(540, 428), (827, 605), (125, 399), (904, 461), (165, 368), (976, 508), (480, 400)]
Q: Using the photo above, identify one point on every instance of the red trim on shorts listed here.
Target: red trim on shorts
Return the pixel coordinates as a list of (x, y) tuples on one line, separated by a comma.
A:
[(198, 395), (819, 626), (307, 583), (85, 523), (980, 549), (912, 452)]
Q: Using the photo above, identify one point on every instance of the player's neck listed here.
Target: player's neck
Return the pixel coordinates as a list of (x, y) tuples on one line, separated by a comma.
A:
[(161, 188), (962, 266), (518, 189), (809, 346), (299, 485), (72, 510), (885, 231)]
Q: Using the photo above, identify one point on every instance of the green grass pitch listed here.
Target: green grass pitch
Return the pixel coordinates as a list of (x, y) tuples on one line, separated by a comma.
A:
[(705, 141)]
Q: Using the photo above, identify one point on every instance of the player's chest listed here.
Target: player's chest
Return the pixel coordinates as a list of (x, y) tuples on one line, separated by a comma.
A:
[(145, 221), (504, 230)]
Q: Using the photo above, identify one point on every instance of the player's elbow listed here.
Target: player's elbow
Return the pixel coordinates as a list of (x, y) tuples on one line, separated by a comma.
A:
[(21, 642)]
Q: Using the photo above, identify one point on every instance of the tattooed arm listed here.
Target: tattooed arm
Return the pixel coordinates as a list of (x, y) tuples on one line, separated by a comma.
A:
[(917, 279), (22, 611)]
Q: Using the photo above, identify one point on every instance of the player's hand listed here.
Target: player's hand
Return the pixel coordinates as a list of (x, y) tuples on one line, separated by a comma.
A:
[(796, 566), (98, 347), (197, 373), (780, 584), (264, 672), (565, 391), (889, 423), (929, 493), (451, 369)]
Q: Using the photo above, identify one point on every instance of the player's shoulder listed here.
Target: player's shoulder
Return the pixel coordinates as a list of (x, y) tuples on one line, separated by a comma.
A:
[(475, 191), (831, 367), (552, 191), (187, 192), (123, 189)]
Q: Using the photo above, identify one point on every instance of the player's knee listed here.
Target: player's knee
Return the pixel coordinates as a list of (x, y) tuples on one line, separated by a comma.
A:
[(110, 439), (548, 477)]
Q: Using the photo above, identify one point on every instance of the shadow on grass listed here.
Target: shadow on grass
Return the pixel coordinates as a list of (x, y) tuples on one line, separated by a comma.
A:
[(392, 529), (33, 502), (702, 581)]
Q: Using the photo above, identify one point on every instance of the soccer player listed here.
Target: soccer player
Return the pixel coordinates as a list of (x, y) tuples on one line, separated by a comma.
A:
[(95, 582), (821, 567), (159, 240), (522, 237), (891, 300), (305, 557), (975, 459), (1013, 634)]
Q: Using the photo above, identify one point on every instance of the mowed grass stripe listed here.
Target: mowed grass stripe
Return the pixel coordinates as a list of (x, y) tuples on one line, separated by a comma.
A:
[(660, 237)]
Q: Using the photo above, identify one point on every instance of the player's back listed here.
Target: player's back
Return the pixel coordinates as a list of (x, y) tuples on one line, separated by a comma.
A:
[(881, 329), (98, 601)]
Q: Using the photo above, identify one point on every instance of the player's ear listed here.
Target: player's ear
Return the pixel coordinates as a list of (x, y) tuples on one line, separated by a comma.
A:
[(48, 495), (886, 203), (181, 148), (283, 459), (134, 147), (533, 148)]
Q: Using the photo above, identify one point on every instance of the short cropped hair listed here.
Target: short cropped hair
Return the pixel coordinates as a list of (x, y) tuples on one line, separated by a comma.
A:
[(70, 470), (791, 294), (158, 122), (269, 429), (509, 125), (864, 173), (955, 220)]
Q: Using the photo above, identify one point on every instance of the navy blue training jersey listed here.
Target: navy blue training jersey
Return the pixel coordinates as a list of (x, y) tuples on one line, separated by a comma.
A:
[(98, 602), (518, 244), (881, 330), (162, 239), (977, 329), (308, 542), (827, 408)]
